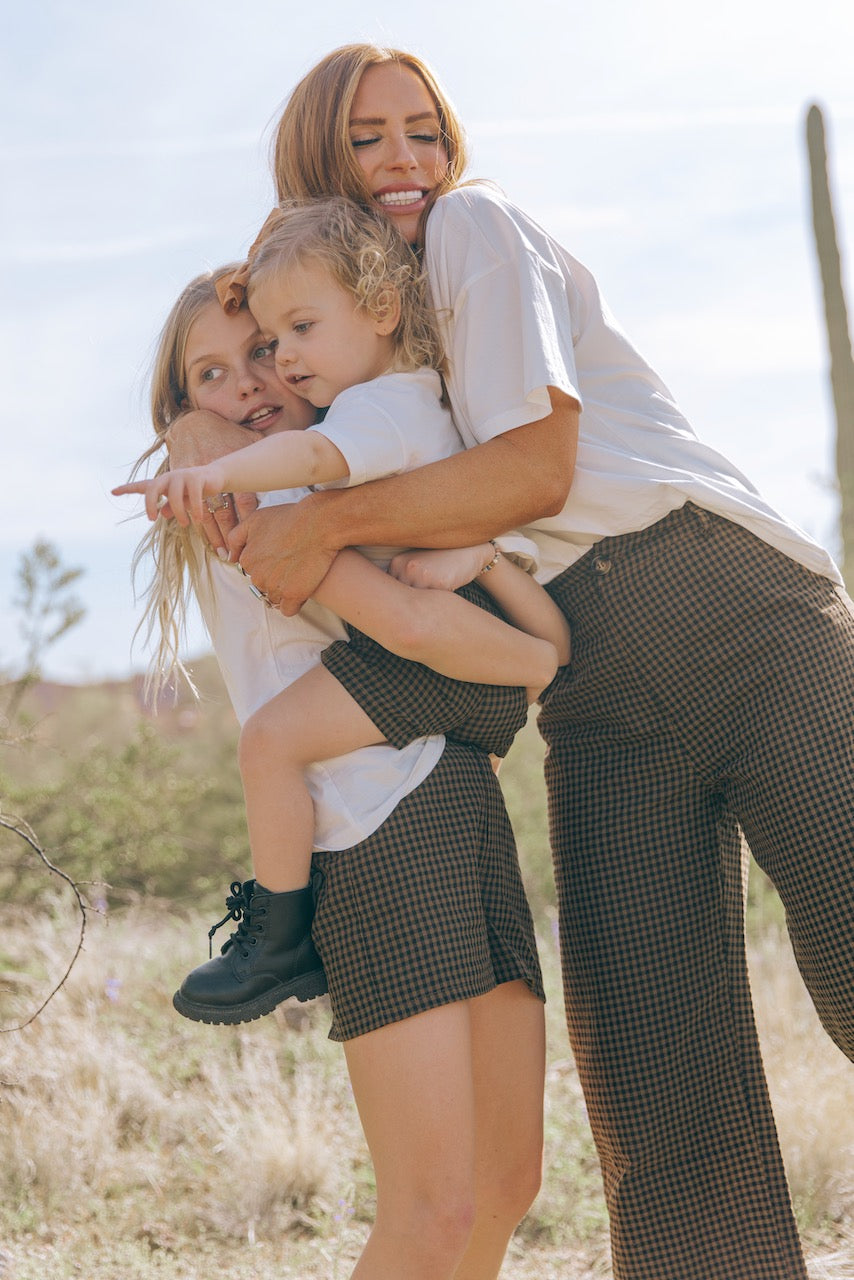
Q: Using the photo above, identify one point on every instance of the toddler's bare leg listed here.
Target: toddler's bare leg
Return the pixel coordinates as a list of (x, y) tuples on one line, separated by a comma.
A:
[(313, 719)]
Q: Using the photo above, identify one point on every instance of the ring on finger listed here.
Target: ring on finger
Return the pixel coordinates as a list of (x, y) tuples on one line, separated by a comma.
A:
[(218, 502), (261, 595)]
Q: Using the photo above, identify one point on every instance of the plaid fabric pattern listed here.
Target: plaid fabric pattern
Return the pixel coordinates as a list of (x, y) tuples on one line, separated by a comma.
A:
[(406, 700), (711, 689), (430, 908)]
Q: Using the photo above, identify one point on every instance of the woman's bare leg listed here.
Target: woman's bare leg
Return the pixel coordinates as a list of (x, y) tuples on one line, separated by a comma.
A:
[(412, 1081), (508, 1063), (313, 719)]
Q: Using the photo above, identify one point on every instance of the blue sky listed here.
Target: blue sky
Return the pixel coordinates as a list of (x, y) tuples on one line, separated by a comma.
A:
[(664, 147)]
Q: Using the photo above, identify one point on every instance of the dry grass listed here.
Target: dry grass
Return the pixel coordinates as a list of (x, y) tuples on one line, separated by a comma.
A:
[(136, 1144)]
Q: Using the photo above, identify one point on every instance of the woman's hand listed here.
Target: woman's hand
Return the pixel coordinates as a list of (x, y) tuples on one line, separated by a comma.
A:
[(197, 438), (282, 550), (441, 570)]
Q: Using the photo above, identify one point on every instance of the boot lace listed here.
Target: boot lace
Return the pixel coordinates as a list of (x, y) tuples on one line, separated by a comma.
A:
[(238, 902)]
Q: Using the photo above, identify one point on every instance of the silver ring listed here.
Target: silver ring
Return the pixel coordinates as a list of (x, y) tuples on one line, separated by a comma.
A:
[(218, 502), (261, 595)]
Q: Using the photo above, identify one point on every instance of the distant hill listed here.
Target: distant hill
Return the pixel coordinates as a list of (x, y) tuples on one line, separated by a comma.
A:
[(66, 718)]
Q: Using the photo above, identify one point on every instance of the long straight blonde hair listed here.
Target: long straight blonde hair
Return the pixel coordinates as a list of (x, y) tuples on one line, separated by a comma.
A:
[(179, 555)]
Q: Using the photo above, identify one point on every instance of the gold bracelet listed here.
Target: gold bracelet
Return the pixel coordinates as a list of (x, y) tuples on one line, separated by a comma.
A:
[(494, 561)]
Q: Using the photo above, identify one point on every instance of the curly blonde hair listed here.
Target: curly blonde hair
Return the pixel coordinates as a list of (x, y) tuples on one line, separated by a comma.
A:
[(312, 155), (365, 255), (179, 554)]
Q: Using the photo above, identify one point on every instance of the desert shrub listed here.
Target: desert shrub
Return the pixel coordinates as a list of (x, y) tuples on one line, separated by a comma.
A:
[(136, 819)]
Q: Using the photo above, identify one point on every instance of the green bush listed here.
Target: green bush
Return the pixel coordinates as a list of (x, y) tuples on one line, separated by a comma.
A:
[(139, 818)]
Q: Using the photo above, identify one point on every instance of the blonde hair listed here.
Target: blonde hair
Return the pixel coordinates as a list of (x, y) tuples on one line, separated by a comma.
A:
[(367, 258), (179, 555), (312, 154)]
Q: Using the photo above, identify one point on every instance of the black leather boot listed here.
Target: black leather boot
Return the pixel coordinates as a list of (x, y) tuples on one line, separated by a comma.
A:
[(269, 958)]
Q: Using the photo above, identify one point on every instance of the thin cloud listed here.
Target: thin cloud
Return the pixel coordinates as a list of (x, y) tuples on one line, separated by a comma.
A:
[(122, 148), (643, 121), (40, 254)]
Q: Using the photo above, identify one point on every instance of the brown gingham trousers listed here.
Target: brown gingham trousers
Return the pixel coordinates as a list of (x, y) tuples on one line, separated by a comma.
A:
[(711, 686)]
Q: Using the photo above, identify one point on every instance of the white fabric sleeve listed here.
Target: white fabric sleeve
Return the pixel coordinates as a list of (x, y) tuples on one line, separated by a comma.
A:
[(505, 307), (392, 424), (521, 550)]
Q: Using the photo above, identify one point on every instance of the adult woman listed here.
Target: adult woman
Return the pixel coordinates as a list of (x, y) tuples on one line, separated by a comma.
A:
[(707, 632)]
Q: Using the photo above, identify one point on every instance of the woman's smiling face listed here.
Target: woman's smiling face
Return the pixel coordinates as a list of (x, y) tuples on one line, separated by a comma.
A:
[(230, 370), (395, 133)]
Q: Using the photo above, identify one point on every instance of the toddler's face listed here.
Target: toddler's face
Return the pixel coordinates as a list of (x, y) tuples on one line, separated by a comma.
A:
[(323, 341)]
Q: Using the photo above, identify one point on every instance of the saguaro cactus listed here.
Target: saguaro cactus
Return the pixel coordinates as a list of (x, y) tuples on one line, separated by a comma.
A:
[(838, 336)]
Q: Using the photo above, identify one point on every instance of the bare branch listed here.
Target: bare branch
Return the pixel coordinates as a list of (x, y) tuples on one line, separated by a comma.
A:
[(20, 828)]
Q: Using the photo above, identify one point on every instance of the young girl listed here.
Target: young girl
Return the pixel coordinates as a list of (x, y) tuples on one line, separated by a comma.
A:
[(337, 298), (422, 926), (712, 677)]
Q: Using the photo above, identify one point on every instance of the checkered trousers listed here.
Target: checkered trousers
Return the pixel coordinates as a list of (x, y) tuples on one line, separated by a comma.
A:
[(430, 908), (711, 688), (406, 700)]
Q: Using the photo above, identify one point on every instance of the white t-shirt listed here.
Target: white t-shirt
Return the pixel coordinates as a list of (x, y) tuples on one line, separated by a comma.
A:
[(383, 427), (396, 423), (520, 315), (260, 652)]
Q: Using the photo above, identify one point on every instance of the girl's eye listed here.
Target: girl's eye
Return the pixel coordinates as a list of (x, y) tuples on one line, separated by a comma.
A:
[(364, 141), (208, 375), (265, 352), (302, 326), (431, 138)]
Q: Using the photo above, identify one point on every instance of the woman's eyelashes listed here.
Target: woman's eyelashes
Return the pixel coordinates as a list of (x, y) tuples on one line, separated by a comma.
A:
[(428, 138)]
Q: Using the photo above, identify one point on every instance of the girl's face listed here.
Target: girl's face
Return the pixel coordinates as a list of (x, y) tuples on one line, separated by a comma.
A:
[(229, 369), (323, 342), (394, 131)]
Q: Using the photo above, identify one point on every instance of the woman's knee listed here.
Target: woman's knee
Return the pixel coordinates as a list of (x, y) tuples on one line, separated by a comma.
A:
[(437, 1221), (508, 1189)]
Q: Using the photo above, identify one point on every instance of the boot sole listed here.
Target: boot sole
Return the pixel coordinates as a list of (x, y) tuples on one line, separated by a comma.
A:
[(309, 987)]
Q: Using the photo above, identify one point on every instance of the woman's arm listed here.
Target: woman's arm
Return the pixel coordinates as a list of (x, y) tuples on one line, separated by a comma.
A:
[(507, 482), (283, 461), (527, 605), (436, 628)]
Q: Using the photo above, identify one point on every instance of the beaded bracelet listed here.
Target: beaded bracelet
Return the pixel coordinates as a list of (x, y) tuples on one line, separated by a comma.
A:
[(494, 561)]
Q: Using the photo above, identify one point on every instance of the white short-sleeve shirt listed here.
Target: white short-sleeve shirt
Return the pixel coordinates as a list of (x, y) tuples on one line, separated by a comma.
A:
[(519, 315), (260, 652)]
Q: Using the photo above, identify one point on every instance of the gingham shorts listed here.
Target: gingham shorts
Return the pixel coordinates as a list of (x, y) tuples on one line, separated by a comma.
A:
[(406, 700), (430, 908)]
